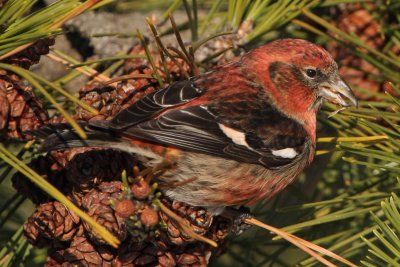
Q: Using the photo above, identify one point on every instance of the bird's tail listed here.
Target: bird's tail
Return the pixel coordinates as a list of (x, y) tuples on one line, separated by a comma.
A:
[(63, 136)]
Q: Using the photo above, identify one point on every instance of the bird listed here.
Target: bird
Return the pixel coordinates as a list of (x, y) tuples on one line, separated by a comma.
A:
[(235, 135)]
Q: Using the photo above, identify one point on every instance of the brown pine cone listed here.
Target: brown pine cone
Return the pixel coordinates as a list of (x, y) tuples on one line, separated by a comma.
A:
[(49, 169), (154, 253), (354, 69), (355, 19), (219, 229), (199, 219), (133, 64), (109, 100), (90, 168), (82, 253), (99, 97), (53, 222), (98, 205), (20, 109), (4, 111), (136, 206), (192, 258), (52, 262), (142, 65), (31, 55)]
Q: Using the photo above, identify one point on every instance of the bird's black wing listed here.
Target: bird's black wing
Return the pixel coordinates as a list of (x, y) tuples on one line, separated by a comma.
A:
[(197, 129), (176, 94), (194, 128)]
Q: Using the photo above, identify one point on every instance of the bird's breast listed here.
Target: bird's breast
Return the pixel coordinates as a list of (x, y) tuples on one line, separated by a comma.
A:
[(204, 180)]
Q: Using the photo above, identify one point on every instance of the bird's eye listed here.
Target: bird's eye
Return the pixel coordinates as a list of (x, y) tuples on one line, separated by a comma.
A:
[(311, 73)]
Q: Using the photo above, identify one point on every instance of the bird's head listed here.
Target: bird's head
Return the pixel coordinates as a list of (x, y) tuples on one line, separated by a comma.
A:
[(298, 76)]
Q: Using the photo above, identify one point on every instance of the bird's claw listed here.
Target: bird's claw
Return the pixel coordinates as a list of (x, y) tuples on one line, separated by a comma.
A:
[(238, 218), (239, 225)]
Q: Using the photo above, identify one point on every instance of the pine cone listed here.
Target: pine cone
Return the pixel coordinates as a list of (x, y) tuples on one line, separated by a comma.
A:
[(83, 253), (219, 229), (20, 110), (49, 169), (31, 55), (192, 258), (99, 97), (154, 253), (357, 20), (90, 168), (4, 111), (142, 66), (52, 262), (199, 219), (137, 207), (53, 222), (109, 100), (97, 203)]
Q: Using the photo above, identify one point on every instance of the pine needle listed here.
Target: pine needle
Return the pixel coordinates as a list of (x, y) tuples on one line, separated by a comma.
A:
[(352, 139), (150, 59), (86, 70), (73, 13), (186, 55), (304, 245), (162, 48)]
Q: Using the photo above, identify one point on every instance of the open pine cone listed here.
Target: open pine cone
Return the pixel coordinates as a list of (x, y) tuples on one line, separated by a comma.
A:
[(20, 110), (31, 55), (52, 222), (148, 235), (355, 19)]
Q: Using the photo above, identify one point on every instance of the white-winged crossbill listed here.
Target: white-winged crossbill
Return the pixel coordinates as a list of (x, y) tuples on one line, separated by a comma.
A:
[(235, 135)]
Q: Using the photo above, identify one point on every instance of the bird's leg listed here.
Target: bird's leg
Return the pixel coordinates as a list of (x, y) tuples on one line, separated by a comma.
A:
[(238, 218)]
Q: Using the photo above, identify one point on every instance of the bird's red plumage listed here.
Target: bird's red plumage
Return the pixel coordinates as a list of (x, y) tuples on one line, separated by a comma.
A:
[(246, 130)]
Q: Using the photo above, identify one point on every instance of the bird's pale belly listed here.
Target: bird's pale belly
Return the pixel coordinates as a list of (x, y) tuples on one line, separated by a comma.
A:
[(203, 180)]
